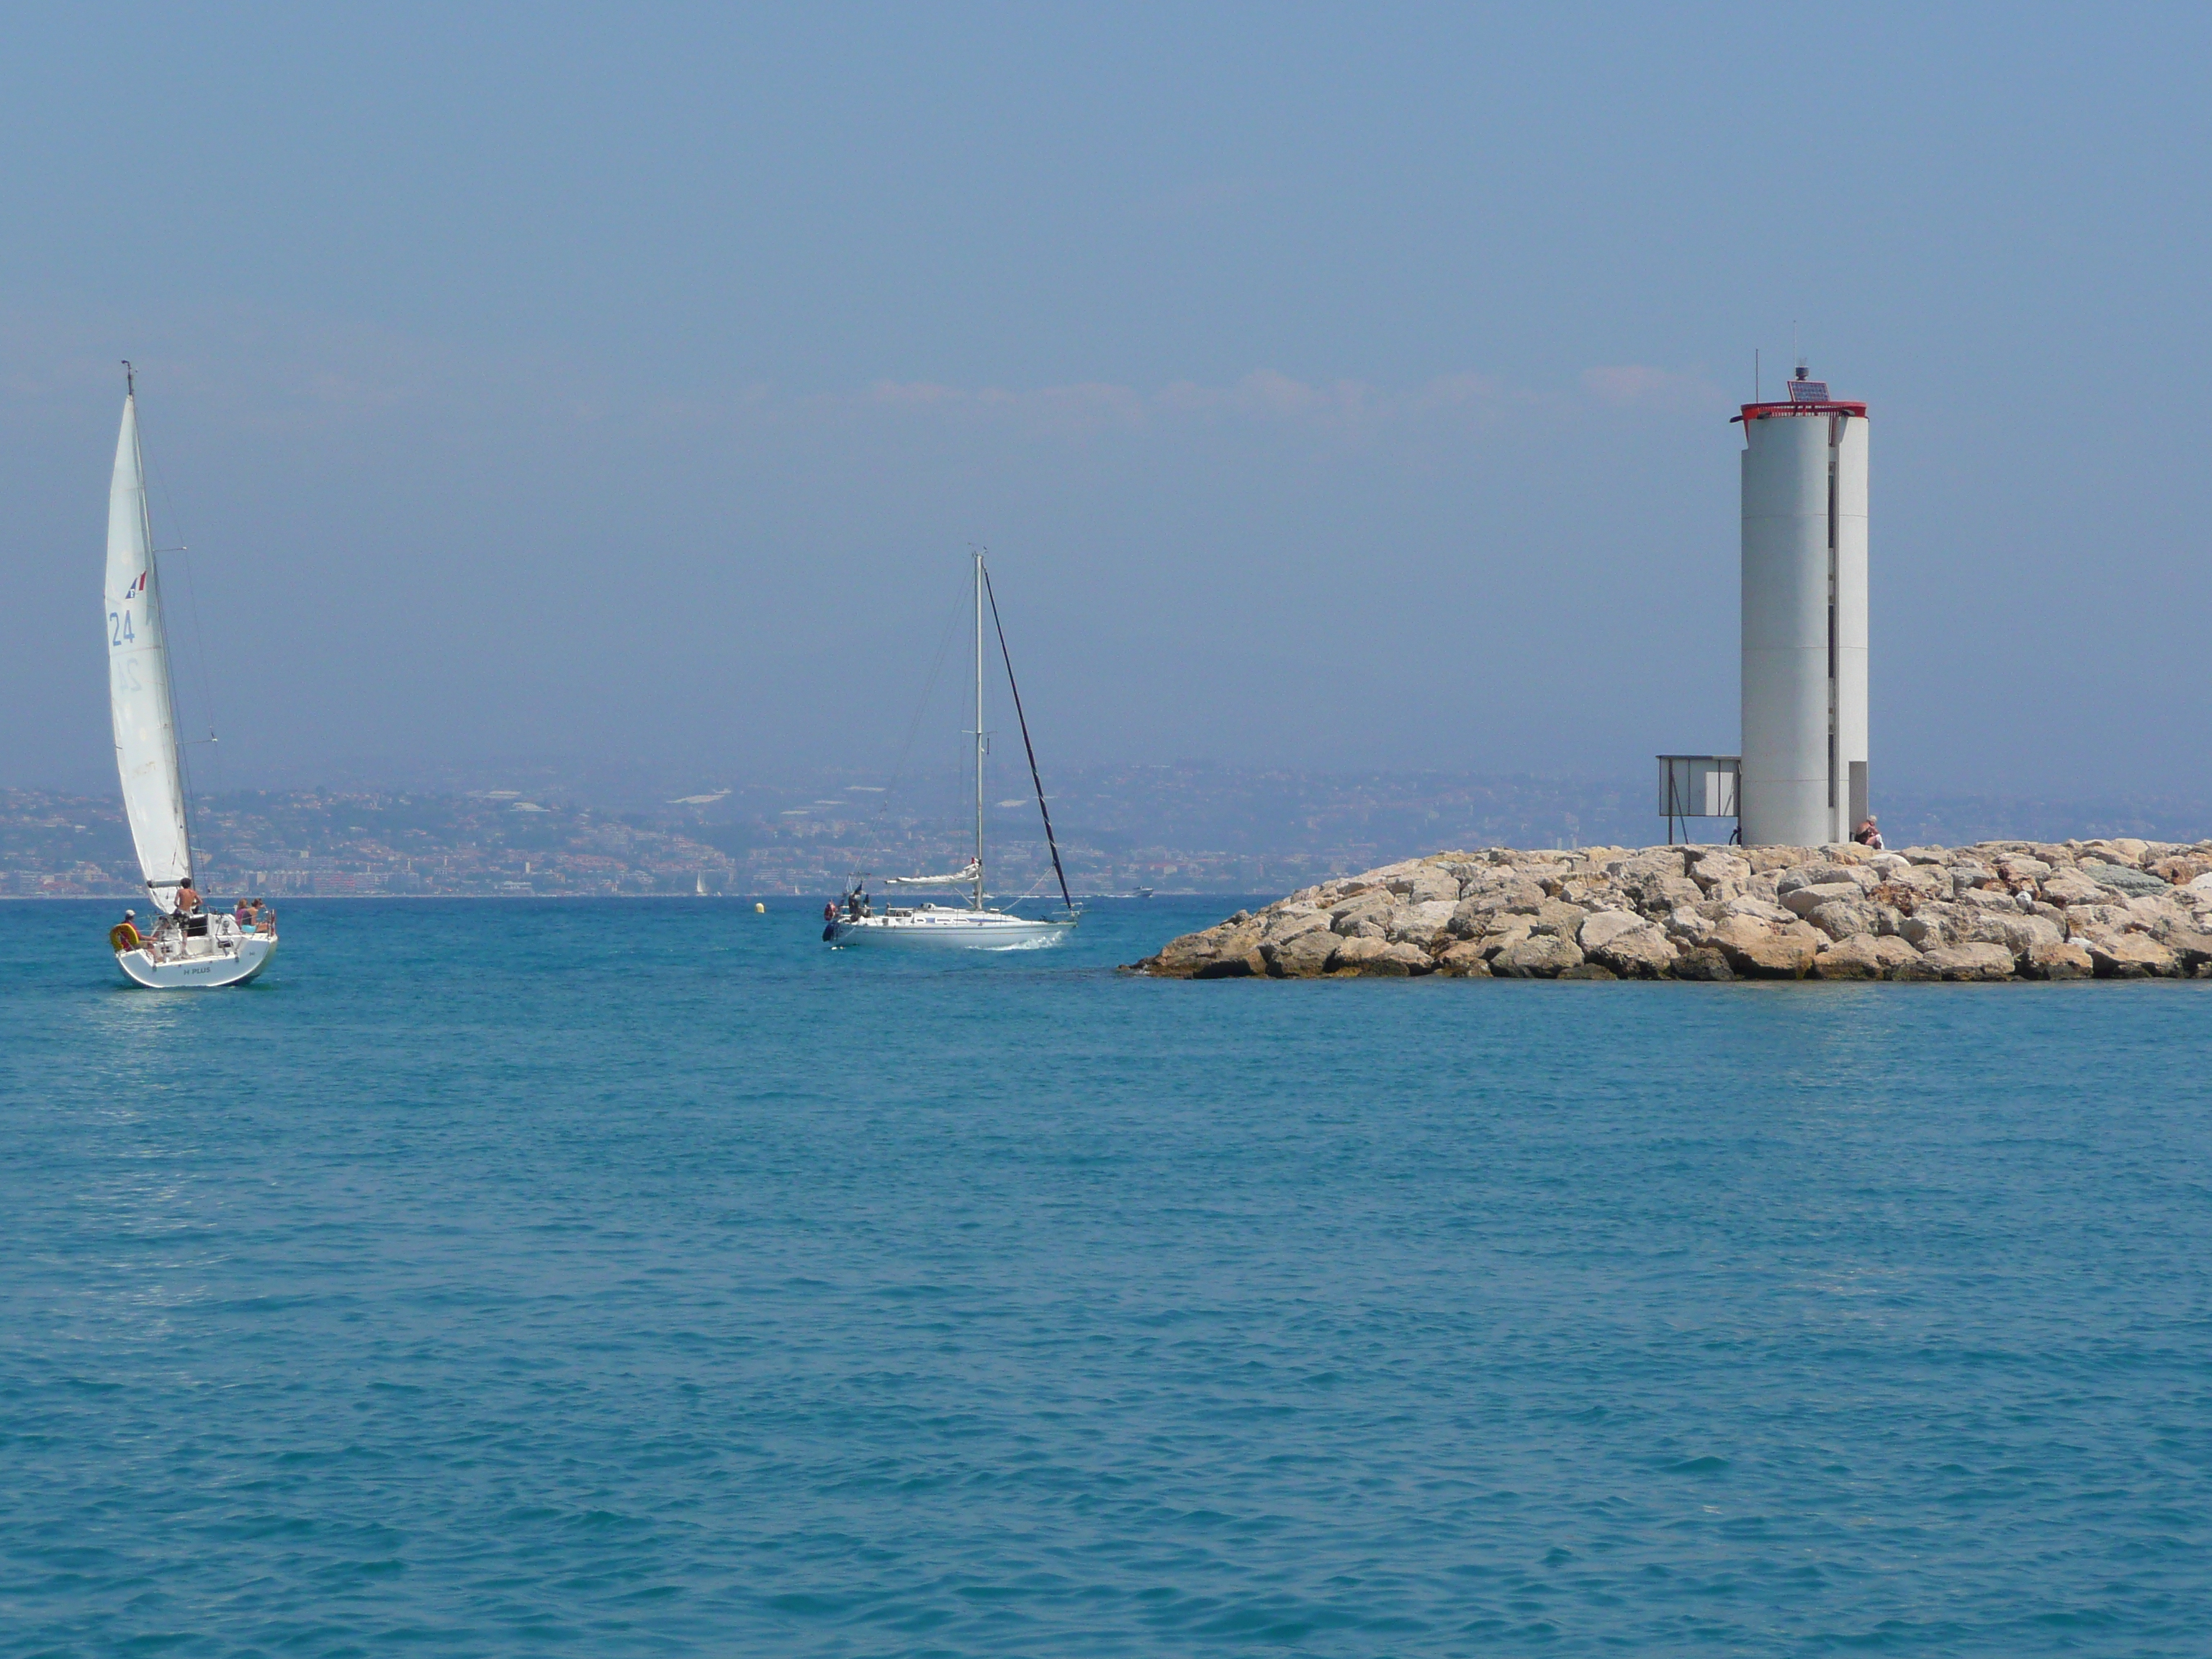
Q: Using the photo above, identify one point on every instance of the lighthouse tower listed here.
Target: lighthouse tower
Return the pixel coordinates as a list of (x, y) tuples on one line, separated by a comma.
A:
[(1804, 768)]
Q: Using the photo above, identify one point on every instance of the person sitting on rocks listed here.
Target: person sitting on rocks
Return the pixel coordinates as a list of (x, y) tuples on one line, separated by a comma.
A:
[(1868, 834)]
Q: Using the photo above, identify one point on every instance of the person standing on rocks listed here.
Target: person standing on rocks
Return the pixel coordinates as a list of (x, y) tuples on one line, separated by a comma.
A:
[(1868, 834)]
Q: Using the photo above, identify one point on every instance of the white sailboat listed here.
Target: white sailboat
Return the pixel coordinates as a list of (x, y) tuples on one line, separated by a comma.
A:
[(180, 951), (975, 925)]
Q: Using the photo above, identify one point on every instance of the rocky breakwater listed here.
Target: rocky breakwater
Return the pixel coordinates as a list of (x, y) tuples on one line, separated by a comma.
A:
[(2007, 910)]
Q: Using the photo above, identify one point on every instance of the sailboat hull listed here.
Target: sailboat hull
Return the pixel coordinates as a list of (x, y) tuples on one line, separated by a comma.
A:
[(232, 965), (954, 930)]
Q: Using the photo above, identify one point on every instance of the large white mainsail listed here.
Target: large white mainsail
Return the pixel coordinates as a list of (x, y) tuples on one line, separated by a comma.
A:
[(146, 754)]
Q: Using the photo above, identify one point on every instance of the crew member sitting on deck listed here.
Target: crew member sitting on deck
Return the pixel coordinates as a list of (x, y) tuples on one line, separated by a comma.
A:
[(125, 935)]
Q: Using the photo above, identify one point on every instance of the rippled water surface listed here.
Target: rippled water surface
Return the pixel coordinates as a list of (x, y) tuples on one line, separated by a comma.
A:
[(644, 1278)]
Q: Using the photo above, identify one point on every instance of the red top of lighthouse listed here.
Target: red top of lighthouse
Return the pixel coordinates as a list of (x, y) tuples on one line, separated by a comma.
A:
[(1806, 398)]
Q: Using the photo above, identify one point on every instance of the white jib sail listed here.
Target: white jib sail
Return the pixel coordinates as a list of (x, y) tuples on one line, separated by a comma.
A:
[(138, 679)]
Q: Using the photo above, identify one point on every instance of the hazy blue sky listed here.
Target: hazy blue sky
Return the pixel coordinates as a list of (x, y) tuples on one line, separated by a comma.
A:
[(1335, 386)]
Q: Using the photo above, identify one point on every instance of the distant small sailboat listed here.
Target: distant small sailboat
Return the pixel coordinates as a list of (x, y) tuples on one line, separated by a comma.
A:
[(976, 926), (182, 951)]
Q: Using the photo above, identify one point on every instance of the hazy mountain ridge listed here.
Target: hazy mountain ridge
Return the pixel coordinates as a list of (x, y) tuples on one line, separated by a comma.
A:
[(1191, 826)]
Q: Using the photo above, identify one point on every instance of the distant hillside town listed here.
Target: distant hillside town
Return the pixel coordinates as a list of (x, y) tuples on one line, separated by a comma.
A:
[(1188, 828)]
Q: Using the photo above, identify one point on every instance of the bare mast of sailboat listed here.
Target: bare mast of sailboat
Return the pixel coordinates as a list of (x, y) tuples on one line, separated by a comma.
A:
[(982, 740)]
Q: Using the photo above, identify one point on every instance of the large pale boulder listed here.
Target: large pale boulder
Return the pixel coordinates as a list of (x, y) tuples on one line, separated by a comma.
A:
[(1380, 958), (1917, 882), (1655, 881), (1289, 923), (1759, 950), (1934, 925), (1485, 898), (1594, 892), (1690, 926), (2061, 960), (1817, 873), (1849, 959), (1596, 931), (1464, 961), (1804, 899), (1557, 916), (1366, 916), (1541, 956), (1704, 962), (2157, 913), (1773, 860), (2191, 947), (2071, 887), (2131, 955), (2017, 933), (1431, 884), (1181, 957), (2083, 920), (1841, 919), (1420, 923), (1745, 905), (1504, 931), (1630, 946), (1894, 953), (1720, 874), (2124, 849), (1302, 955), (1236, 952), (1649, 862), (1969, 961)]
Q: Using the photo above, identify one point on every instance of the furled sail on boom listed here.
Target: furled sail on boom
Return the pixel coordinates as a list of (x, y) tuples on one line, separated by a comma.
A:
[(146, 754), (954, 879)]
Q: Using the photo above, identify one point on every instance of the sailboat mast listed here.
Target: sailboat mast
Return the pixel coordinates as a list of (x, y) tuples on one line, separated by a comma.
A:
[(979, 728), (153, 602)]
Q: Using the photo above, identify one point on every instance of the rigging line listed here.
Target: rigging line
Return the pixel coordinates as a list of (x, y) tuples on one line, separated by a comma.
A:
[(1043, 810), (192, 601), (880, 841)]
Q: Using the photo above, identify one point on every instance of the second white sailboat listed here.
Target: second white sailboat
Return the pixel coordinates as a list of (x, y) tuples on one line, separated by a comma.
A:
[(185, 947), (975, 925)]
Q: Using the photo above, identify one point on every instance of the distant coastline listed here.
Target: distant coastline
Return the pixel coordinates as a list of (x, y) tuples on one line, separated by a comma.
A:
[(1187, 828)]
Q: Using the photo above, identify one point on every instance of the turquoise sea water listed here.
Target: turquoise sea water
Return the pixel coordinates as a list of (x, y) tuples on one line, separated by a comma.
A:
[(643, 1277)]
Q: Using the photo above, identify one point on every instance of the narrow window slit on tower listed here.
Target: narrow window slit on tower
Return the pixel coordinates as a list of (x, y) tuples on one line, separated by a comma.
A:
[(1835, 437)]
